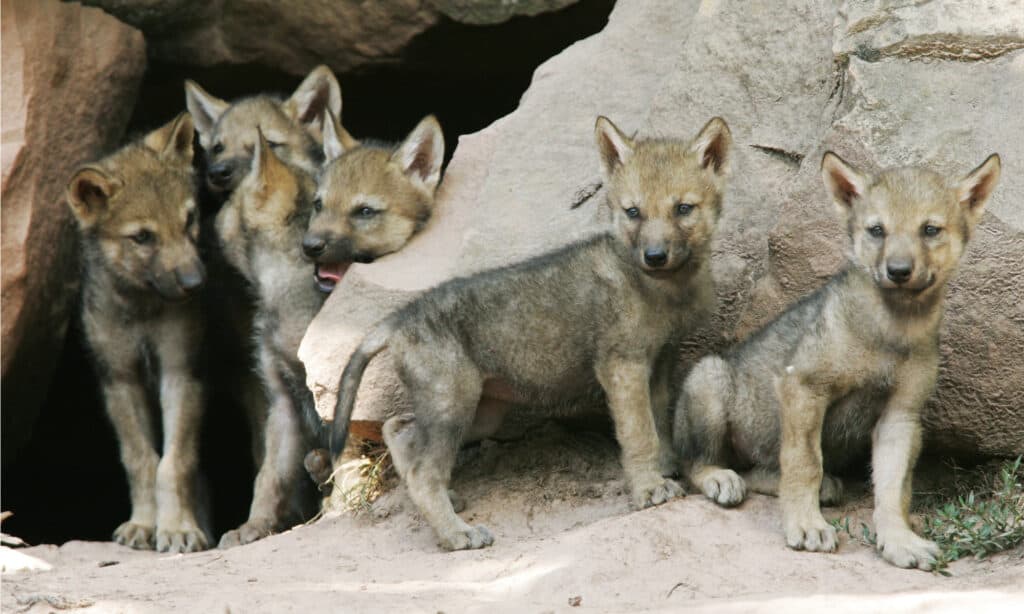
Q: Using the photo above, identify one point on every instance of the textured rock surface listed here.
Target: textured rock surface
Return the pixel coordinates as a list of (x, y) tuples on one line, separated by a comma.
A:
[(297, 35), (70, 75), (793, 80)]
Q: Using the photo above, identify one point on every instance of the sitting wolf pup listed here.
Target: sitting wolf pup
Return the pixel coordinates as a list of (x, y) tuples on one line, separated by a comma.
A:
[(602, 312), (139, 226), (846, 368), (261, 229)]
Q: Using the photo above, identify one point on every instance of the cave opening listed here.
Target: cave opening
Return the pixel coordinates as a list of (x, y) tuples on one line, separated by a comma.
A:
[(67, 482)]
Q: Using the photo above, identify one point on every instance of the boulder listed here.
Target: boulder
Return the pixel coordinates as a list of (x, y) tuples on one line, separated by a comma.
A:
[(295, 36), (70, 76), (881, 83)]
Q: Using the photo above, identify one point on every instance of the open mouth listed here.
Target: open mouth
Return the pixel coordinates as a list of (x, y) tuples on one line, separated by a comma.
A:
[(328, 275)]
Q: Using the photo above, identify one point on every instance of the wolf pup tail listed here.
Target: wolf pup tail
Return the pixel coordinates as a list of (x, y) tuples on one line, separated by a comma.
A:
[(371, 345)]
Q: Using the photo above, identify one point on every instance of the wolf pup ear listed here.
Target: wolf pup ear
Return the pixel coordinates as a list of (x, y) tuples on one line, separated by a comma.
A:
[(421, 153), (337, 140), (713, 146), (205, 109), (266, 166), (974, 190), (318, 94), (89, 193), (614, 146), (173, 140), (843, 182)]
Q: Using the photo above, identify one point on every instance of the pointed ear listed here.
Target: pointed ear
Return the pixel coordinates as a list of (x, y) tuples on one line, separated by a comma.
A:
[(421, 153), (843, 182), (173, 140), (337, 140), (614, 146), (974, 190), (713, 146), (266, 166), (205, 109), (89, 193), (318, 94)]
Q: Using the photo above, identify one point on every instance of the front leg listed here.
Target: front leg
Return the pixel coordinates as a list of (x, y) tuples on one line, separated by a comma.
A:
[(896, 443), (627, 385), (126, 405), (661, 384), (802, 417)]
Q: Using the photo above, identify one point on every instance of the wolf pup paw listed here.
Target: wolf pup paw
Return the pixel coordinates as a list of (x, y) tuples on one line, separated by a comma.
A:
[(831, 492), (814, 535), (137, 536), (725, 487), (657, 493), (905, 549), (472, 538), (184, 539), (249, 532)]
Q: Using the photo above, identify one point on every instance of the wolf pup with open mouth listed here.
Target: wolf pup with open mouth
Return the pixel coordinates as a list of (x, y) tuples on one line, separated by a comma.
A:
[(598, 314), (846, 369), (139, 226), (371, 198)]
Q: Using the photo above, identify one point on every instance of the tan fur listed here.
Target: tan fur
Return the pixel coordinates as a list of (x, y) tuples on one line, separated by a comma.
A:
[(846, 369), (137, 219)]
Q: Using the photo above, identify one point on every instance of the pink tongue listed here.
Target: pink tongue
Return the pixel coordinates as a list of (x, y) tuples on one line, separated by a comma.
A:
[(334, 271)]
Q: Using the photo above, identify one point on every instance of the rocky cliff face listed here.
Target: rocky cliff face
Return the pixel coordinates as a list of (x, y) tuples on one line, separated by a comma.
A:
[(882, 83)]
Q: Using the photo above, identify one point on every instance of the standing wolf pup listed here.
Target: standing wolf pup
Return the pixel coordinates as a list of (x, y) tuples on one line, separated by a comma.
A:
[(600, 312), (848, 367), (261, 229), (139, 226)]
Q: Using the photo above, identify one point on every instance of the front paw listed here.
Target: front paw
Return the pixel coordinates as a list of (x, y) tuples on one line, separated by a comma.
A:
[(903, 548), (137, 536), (182, 538), (811, 534), (831, 491), (656, 492), (471, 538), (725, 487), (249, 532)]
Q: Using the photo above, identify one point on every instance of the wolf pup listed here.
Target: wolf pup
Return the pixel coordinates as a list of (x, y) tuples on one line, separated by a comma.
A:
[(138, 225), (372, 198), (260, 229), (848, 367), (293, 127), (597, 314)]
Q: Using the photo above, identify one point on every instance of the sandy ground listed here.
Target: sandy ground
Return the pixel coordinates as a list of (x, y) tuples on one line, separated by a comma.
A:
[(564, 536)]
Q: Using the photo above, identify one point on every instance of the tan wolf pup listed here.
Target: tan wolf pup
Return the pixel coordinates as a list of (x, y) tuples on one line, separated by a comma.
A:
[(846, 369), (261, 229), (293, 127), (598, 314), (139, 226)]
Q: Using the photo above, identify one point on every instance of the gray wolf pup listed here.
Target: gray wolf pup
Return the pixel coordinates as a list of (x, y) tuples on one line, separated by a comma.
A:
[(602, 313), (227, 130), (139, 226), (846, 369)]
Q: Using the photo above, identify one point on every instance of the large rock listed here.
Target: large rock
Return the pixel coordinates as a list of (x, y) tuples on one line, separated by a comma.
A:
[(294, 36), (70, 75), (881, 84)]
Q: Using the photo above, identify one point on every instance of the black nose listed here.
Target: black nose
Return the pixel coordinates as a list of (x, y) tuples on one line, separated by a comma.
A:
[(313, 245), (191, 277), (898, 270), (655, 257), (220, 173)]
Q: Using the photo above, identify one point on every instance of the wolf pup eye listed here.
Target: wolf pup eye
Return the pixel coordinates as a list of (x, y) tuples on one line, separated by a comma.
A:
[(274, 144), (876, 231), (143, 237), (365, 212), (217, 149), (190, 219), (318, 205), (931, 231), (685, 208), (632, 213)]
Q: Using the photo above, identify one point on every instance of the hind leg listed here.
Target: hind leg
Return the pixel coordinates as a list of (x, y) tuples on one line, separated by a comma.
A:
[(423, 446), (765, 480), (702, 430)]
